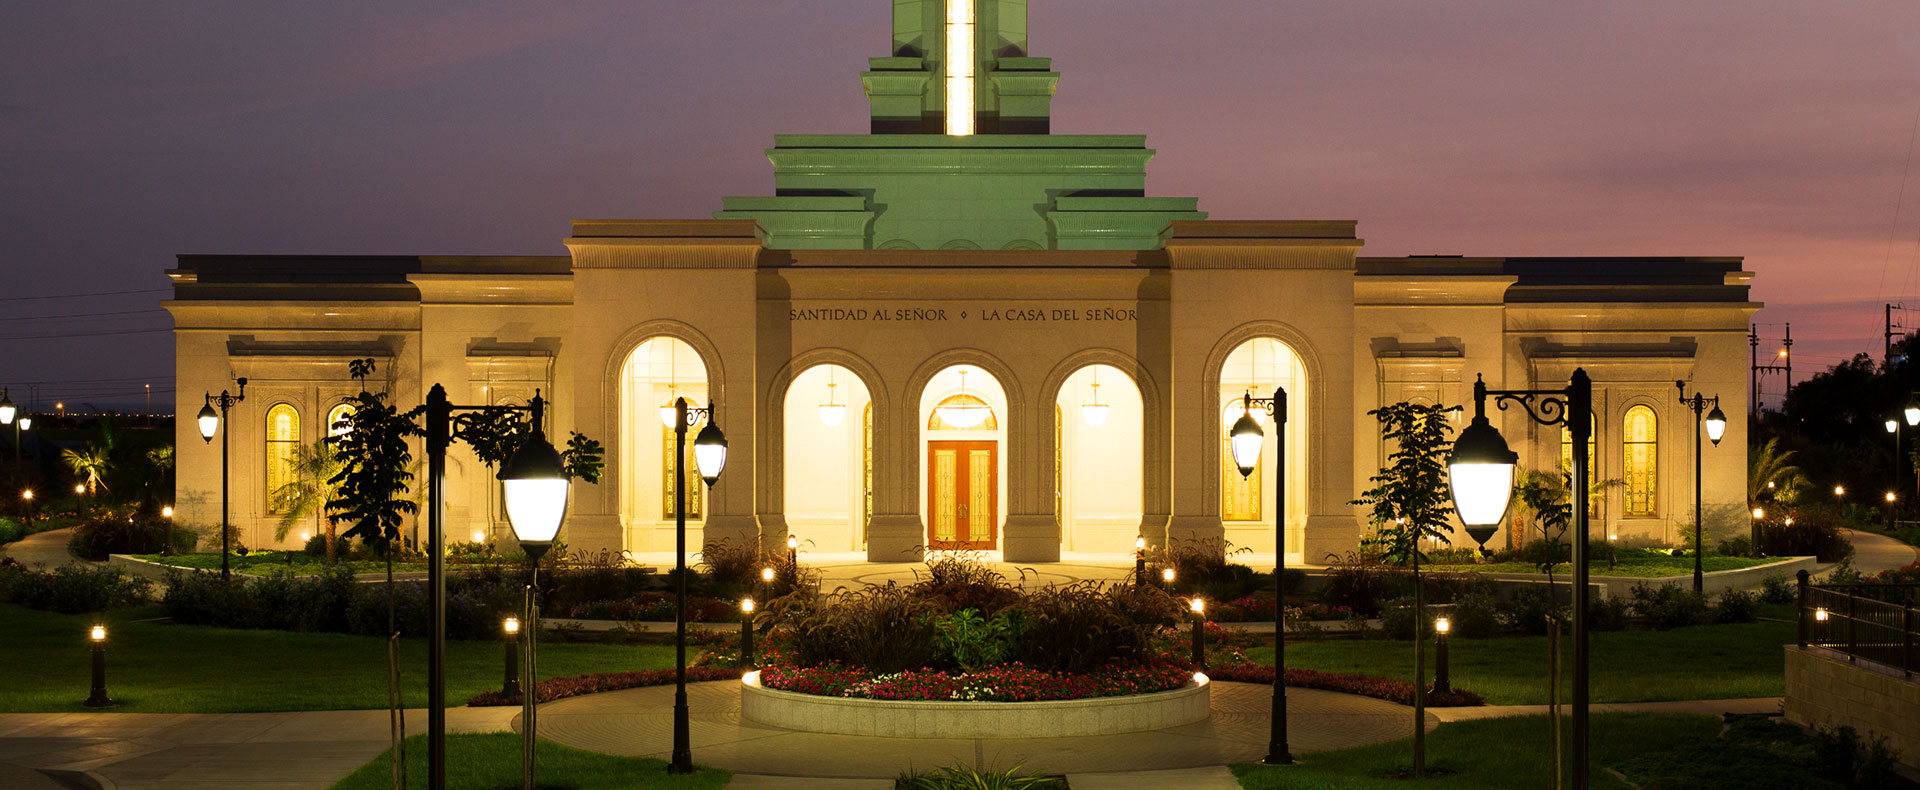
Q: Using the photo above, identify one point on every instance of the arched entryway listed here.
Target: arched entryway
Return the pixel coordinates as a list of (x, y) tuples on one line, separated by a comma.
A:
[(828, 427), (1257, 367), (963, 415), (1097, 426), (659, 371)]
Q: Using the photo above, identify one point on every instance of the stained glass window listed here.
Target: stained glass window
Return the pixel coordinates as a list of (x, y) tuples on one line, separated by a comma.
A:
[(283, 450), (1641, 443)]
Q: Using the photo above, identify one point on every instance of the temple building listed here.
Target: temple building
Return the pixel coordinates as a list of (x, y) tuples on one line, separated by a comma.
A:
[(965, 330)]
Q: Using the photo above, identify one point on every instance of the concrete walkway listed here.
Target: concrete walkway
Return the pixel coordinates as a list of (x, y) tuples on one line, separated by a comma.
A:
[(639, 722), (45, 548), (156, 751), (1873, 553)]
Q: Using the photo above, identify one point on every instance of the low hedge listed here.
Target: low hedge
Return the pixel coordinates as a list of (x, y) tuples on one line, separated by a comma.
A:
[(1010, 682), (562, 688), (1389, 689), (70, 589), (332, 602)]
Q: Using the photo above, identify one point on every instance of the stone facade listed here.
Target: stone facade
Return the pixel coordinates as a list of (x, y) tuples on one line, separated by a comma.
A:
[(1034, 263), (1826, 690)]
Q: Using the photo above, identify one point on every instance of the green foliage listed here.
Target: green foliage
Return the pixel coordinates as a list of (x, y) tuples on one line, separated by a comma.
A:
[(315, 467), (1528, 608), (972, 641), (1768, 465), (71, 589), (1077, 627), (1735, 606), (1815, 531), (495, 435), (114, 533), (962, 777), (371, 490), (1475, 616), (1777, 589), (11, 529), (1666, 606), (1410, 498), (91, 463), (883, 628)]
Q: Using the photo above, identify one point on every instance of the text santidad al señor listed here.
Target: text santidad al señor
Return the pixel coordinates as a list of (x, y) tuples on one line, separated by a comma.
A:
[(1032, 314)]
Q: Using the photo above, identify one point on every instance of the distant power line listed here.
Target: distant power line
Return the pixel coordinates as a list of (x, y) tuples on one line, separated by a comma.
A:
[(87, 334), (83, 296), (75, 316)]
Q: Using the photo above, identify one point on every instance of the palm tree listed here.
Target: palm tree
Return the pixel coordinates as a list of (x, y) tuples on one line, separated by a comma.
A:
[(91, 462), (1771, 474), (314, 468)]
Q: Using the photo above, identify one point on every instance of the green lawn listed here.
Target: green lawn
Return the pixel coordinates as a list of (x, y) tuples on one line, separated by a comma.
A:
[(156, 668), (1491, 753), (1702, 662), (492, 761), (1632, 562)]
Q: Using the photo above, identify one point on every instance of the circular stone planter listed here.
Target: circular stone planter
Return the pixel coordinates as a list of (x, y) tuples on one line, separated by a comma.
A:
[(918, 719)]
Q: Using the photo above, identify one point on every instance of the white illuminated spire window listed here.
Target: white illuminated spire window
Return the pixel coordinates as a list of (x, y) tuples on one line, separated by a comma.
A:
[(960, 61)]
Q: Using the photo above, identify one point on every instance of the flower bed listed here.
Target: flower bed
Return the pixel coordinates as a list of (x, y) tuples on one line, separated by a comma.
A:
[(1013, 682), (561, 688), (1364, 685)]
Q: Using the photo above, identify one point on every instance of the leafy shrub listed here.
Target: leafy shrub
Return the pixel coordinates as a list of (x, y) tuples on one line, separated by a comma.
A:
[(1076, 627), (1363, 584), (71, 589), (1815, 531), (1009, 682), (332, 602), (1527, 608), (732, 570), (11, 530), (657, 607), (881, 628), (98, 538), (1734, 606), (1202, 567), (1666, 606), (1475, 616), (972, 641), (1396, 618), (1906, 574), (1736, 546), (1776, 589), (958, 581), (962, 777), (1608, 614)]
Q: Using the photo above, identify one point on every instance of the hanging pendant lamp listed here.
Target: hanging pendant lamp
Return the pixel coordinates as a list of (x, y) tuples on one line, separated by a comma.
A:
[(1095, 412), (961, 411), (831, 413)]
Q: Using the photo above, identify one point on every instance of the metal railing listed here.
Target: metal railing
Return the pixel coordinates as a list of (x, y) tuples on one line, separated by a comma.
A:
[(1871, 622)]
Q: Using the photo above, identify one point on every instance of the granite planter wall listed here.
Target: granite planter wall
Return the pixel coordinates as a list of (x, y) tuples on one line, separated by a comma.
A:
[(915, 719)]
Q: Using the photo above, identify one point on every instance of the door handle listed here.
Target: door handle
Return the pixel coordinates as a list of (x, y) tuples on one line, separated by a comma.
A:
[(963, 511)]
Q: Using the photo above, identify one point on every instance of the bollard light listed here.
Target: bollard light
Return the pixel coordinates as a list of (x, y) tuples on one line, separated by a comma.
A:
[(746, 632), (1820, 614), (80, 488), (510, 636), (792, 543), (1839, 490), (1760, 512), (166, 511), (1166, 575), (1140, 543), (1442, 626), (97, 697), (1890, 496), (1199, 606), (27, 494), (1441, 682)]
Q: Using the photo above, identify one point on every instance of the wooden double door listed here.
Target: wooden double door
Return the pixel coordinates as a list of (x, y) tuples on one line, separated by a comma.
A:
[(963, 485)]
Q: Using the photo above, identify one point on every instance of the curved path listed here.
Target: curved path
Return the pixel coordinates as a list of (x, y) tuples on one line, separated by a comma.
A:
[(639, 722), (43, 548), (1873, 553)]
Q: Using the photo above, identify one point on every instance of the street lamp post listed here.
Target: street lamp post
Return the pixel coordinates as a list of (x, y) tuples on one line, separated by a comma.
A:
[(534, 487), (1246, 441), (209, 424), (1716, 423), (1481, 473), (710, 454)]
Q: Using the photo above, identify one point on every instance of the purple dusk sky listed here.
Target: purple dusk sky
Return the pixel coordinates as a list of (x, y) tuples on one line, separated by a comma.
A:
[(129, 132)]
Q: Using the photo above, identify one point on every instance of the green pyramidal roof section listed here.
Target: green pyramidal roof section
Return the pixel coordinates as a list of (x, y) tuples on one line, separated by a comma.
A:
[(1009, 185)]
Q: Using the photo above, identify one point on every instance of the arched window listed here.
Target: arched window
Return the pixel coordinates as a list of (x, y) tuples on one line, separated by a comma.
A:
[(1240, 495), (1640, 443), (335, 416), (283, 451)]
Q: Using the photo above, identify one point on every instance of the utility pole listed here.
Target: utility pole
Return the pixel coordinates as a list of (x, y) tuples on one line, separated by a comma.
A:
[(1888, 334), (1753, 368), (1785, 366)]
